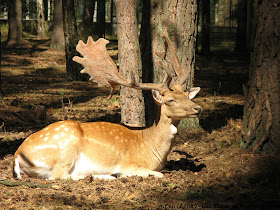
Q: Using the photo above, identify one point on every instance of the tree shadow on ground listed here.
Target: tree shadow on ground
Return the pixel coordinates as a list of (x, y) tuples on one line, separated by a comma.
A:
[(9, 147), (184, 164), (219, 117), (258, 189)]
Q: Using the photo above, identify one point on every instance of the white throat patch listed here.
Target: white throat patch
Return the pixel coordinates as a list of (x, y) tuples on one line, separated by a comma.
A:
[(173, 129)]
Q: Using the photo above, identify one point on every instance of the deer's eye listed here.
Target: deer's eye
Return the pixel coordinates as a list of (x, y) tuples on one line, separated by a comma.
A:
[(170, 101)]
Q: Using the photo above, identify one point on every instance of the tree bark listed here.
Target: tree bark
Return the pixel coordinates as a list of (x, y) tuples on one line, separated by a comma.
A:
[(71, 39), (261, 110), (241, 44), (41, 19), (15, 20), (132, 102), (180, 20), (57, 33), (205, 29)]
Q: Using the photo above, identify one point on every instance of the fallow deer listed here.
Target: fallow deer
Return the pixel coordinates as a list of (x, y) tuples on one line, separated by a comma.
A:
[(70, 149)]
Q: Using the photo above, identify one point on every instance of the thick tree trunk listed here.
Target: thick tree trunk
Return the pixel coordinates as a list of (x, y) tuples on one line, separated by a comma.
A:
[(180, 20), (132, 101), (261, 111), (57, 33), (41, 19), (15, 36), (71, 39), (205, 29), (241, 44), (15, 20)]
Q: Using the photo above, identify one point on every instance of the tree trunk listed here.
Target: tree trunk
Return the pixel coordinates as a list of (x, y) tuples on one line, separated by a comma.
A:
[(180, 20), (101, 17), (15, 20), (71, 39), (88, 11), (261, 111), (57, 33), (41, 19), (132, 102), (205, 29), (241, 44), (147, 60), (88, 27)]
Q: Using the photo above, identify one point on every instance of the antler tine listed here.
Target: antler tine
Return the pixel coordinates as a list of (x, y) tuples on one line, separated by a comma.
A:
[(169, 74), (171, 58), (185, 75)]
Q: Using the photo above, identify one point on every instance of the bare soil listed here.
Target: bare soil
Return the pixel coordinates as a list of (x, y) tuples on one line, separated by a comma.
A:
[(206, 168)]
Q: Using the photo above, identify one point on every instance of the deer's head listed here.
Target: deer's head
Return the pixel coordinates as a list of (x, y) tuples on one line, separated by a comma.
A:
[(176, 103)]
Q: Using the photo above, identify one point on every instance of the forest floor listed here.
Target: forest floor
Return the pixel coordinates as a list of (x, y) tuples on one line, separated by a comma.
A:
[(207, 168)]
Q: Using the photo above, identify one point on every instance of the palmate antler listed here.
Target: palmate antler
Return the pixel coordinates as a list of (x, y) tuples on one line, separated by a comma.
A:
[(103, 70), (171, 61)]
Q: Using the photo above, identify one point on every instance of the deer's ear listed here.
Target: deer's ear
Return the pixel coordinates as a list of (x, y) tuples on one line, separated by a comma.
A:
[(193, 91), (157, 97)]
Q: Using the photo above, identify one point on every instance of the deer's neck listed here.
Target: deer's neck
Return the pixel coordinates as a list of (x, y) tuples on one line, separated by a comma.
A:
[(160, 138)]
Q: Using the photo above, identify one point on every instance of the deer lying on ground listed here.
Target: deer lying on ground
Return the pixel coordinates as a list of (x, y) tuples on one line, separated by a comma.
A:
[(70, 149)]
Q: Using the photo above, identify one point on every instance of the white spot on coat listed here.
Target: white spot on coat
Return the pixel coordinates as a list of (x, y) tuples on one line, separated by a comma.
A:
[(47, 146)]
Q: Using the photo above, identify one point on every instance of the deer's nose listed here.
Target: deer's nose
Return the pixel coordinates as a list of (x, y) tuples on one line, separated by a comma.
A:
[(197, 108)]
